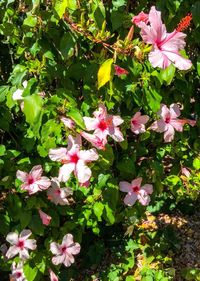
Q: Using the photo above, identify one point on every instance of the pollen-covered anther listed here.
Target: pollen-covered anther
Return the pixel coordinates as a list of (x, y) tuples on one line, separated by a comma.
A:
[(184, 23)]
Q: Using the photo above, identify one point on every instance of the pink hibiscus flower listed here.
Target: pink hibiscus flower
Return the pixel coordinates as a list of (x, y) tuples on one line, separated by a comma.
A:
[(64, 252), (46, 219), (33, 181), (95, 140), (166, 46), (58, 195), (20, 244), (138, 122), (185, 172), (104, 125), (17, 272), (74, 160), (52, 275), (120, 71), (136, 192), (169, 122), (141, 17)]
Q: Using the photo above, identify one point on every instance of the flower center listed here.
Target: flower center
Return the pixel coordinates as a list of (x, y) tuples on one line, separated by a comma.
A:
[(30, 180), (58, 191), (18, 274), (63, 249), (135, 189), (20, 244), (102, 125), (74, 158), (167, 120)]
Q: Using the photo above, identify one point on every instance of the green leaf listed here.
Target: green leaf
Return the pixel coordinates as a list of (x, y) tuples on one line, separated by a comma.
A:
[(61, 5), (196, 13), (30, 272), (98, 210), (5, 224), (32, 108), (109, 214), (153, 99), (3, 92), (30, 21), (104, 73), (76, 116), (67, 44), (168, 74), (196, 163), (2, 149)]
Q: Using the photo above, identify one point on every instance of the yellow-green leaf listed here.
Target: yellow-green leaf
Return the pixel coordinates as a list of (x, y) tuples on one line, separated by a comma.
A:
[(61, 5), (104, 73)]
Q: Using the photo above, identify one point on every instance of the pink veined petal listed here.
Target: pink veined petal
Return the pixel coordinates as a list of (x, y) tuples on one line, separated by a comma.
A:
[(138, 129), (143, 119), (101, 112), (185, 172), (169, 133), (117, 120), (22, 176), (89, 155), (148, 188), (54, 248), (75, 249), (46, 219), (174, 41), (12, 251), (178, 61), (174, 110), (30, 244), (116, 135), (156, 24), (82, 172), (43, 183), (90, 123), (52, 275), (191, 122), (136, 182), (95, 140), (23, 254), (25, 234), (143, 197), (36, 172), (102, 134), (12, 238), (32, 188), (159, 126), (177, 124), (69, 123), (130, 199), (148, 35), (68, 240), (159, 59), (58, 154), (58, 259), (125, 186), (65, 172), (136, 115), (69, 259)]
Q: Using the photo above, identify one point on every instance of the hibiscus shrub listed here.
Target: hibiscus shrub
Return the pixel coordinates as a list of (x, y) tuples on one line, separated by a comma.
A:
[(99, 106)]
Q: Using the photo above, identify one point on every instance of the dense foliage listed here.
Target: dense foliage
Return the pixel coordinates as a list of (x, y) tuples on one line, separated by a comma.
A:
[(62, 61)]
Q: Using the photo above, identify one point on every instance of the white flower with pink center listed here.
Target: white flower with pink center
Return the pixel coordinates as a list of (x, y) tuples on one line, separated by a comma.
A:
[(138, 122), (33, 181), (74, 160), (69, 123), (165, 46), (58, 195), (104, 125), (65, 252), (136, 192), (169, 122), (20, 244), (17, 272)]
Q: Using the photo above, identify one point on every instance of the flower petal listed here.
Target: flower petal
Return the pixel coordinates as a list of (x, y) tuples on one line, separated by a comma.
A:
[(130, 199), (136, 182), (90, 123), (22, 176), (75, 249), (36, 172), (30, 244), (169, 133), (58, 259), (54, 248), (25, 234), (12, 251), (58, 154), (148, 188), (125, 186), (68, 240), (12, 238), (65, 172), (89, 155), (82, 172)]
